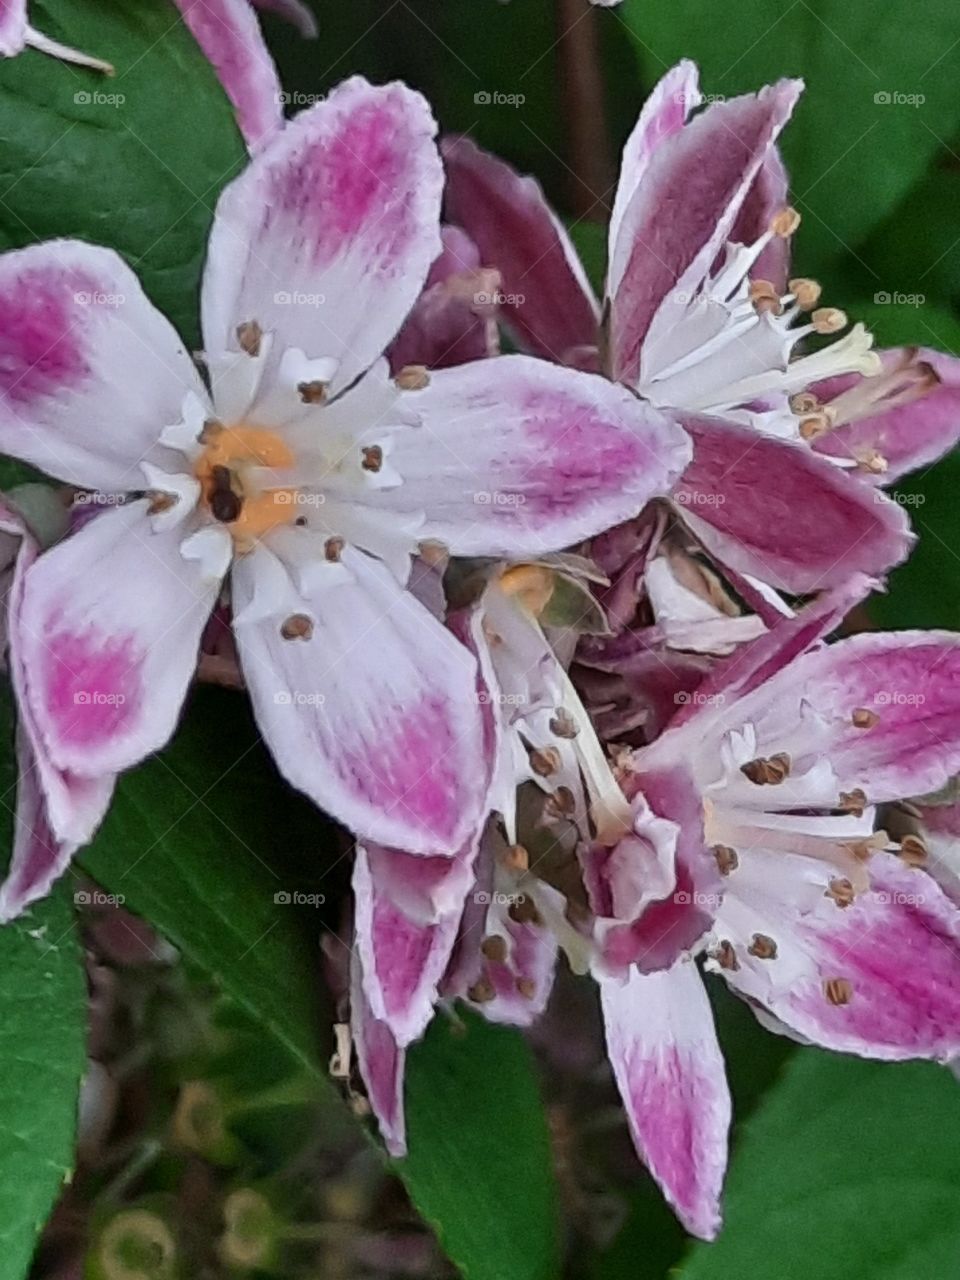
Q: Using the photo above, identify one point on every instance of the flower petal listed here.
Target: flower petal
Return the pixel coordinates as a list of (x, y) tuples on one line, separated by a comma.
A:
[(517, 457), (229, 34), (110, 629), (701, 175), (326, 239), (664, 113), (375, 715), (90, 371), (771, 508), (766, 197), (293, 11), (879, 978), (13, 27), (382, 1063), (546, 298), (402, 960), (909, 435), (669, 1069)]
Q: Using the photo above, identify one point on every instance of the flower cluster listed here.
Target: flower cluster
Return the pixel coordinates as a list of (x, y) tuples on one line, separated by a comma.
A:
[(546, 631)]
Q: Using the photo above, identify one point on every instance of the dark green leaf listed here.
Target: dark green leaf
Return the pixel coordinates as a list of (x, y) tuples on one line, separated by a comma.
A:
[(134, 161), (848, 1169)]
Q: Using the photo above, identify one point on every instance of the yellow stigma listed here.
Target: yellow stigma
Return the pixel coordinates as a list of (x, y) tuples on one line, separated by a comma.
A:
[(234, 498)]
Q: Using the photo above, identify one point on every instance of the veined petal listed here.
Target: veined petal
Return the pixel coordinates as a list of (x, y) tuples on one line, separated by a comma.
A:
[(879, 978), (517, 457), (110, 628), (90, 371), (664, 113), (402, 960), (701, 174), (229, 34), (772, 509), (669, 1069), (371, 709), (907, 431), (381, 1062), (13, 27), (545, 297), (766, 197), (326, 239)]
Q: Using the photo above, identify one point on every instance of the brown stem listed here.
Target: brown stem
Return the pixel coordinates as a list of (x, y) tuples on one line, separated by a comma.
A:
[(582, 104)]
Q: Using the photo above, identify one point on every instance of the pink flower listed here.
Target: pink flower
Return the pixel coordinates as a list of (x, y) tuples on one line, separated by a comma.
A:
[(229, 35), (766, 794), (304, 471), (701, 318)]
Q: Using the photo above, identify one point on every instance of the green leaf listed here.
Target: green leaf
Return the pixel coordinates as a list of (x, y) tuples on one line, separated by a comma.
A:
[(200, 841), (853, 149), (43, 1022), (849, 1169), (134, 161), (480, 1166)]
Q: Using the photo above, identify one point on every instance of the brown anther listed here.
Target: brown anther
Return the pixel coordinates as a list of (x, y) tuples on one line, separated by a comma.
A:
[(767, 771), (435, 554), (413, 377), (763, 947), (526, 987), (516, 858), (727, 859), (814, 426), (158, 502), (828, 320), (806, 293), (726, 956), (560, 803), (913, 851), (785, 222), (494, 947), (481, 992), (563, 725), (312, 392), (872, 461), (761, 289), (545, 761), (864, 718), (766, 304), (225, 503), (804, 402), (372, 457), (524, 911), (333, 549), (301, 522), (838, 990), (863, 850), (841, 891), (854, 801), (211, 429), (250, 336), (297, 627)]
